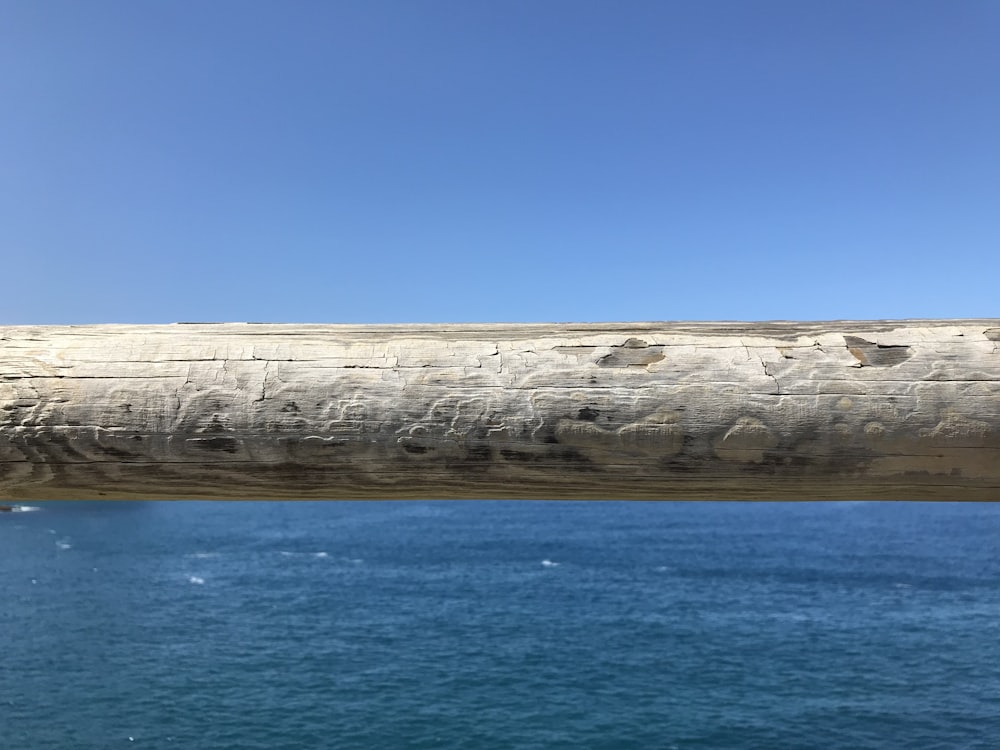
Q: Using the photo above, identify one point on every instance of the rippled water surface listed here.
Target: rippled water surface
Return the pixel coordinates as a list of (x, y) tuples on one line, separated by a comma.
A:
[(500, 625)]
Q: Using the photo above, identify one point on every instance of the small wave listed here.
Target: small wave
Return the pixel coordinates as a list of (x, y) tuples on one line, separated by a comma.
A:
[(549, 564), (196, 580), (354, 560), (203, 555), (63, 544), (24, 508), (792, 616), (286, 553)]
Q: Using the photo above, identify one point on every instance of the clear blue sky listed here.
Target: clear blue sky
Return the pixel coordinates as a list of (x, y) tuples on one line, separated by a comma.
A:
[(435, 160)]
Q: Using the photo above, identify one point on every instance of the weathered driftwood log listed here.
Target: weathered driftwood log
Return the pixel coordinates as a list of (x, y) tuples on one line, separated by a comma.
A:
[(895, 410)]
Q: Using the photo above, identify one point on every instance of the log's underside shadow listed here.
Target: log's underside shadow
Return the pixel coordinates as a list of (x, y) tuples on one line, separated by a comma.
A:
[(842, 410)]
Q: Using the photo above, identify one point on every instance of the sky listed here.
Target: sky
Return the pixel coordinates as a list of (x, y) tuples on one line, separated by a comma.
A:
[(510, 160)]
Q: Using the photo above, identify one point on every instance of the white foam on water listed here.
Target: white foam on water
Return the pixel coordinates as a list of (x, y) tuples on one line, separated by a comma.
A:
[(63, 544), (196, 580), (203, 555), (25, 508), (549, 564), (286, 553)]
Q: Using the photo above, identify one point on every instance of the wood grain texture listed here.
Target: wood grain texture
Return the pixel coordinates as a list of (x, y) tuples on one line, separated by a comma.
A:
[(837, 410)]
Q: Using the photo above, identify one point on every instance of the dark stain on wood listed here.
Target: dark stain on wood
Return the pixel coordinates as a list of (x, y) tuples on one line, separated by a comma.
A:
[(633, 353), (223, 444), (870, 354)]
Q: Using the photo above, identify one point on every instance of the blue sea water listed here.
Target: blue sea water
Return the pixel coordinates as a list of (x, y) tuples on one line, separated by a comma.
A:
[(500, 625)]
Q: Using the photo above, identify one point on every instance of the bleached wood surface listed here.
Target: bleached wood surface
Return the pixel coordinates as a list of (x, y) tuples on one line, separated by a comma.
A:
[(837, 410)]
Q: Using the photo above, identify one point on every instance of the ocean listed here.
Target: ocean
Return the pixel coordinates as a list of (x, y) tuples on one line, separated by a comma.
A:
[(500, 625)]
